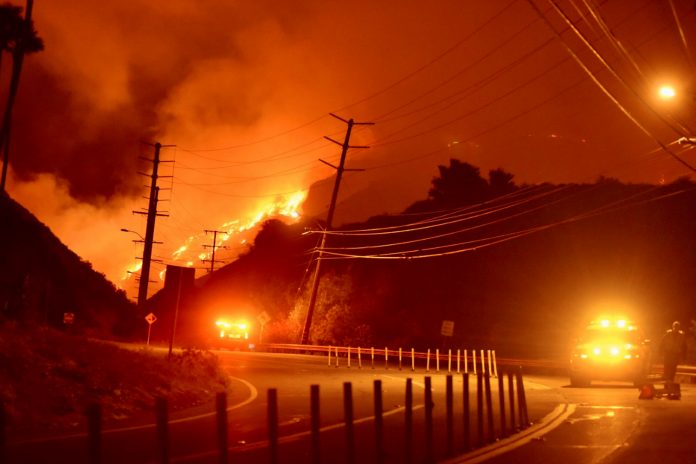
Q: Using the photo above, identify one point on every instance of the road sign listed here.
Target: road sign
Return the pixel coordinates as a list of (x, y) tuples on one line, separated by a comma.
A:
[(447, 328), (263, 318), (68, 318), (150, 318)]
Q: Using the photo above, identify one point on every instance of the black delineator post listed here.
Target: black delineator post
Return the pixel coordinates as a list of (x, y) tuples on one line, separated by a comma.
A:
[(3, 431), (450, 415), (316, 423), (94, 420), (501, 399), (511, 396), (221, 419), (479, 408), (522, 399), (162, 418), (489, 408), (348, 418), (379, 422), (408, 422), (273, 425), (466, 412), (429, 451)]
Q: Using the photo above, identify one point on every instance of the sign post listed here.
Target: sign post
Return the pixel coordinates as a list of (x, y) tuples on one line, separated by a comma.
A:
[(447, 330), (150, 318), (262, 319)]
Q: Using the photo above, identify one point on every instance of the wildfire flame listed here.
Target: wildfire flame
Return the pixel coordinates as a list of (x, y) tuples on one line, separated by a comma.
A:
[(234, 234)]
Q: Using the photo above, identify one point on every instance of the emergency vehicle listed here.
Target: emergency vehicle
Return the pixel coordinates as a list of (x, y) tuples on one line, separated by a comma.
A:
[(233, 334), (610, 349)]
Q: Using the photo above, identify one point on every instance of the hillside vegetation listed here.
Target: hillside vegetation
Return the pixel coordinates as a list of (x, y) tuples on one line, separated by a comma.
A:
[(48, 378), (41, 279)]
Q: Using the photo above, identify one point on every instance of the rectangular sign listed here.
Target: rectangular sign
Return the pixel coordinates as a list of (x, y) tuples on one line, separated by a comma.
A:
[(447, 328)]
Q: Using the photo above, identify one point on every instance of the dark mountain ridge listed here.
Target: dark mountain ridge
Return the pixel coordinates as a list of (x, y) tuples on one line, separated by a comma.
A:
[(520, 271), (42, 280)]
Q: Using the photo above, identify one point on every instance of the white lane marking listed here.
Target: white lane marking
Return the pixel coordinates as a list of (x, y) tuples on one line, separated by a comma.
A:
[(253, 394), (548, 423)]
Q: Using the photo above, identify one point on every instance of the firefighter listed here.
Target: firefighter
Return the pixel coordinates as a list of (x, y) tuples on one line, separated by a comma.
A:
[(673, 350)]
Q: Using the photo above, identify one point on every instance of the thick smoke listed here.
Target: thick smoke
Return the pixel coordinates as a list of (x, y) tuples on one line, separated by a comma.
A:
[(118, 75)]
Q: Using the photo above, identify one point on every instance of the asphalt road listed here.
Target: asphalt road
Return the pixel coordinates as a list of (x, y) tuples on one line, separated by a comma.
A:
[(605, 423)]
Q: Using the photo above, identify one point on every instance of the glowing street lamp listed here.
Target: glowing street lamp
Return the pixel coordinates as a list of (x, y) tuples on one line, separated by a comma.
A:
[(667, 92)]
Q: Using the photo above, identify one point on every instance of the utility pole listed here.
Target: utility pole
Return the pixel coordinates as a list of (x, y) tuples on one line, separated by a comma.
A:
[(18, 60), (329, 218), (152, 214), (214, 246)]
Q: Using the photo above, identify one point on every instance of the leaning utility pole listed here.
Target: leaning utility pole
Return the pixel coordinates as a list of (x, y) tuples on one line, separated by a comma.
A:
[(17, 59), (214, 246), (150, 225), (329, 218)]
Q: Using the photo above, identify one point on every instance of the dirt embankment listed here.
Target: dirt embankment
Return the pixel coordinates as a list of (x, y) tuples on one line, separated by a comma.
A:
[(48, 378)]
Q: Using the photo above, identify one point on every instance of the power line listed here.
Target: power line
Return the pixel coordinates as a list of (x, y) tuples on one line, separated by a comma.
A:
[(485, 242), (214, 247), (606, 91)]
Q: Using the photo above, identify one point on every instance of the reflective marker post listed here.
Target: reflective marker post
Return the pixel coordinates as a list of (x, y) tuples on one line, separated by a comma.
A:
[(379, 422), (501, 399), (429, 451), (94, 419), (221, 416), (348, 418), (450, 414), (315, 423), (273, 425), (408, 422), (162, 429), (466, 412)]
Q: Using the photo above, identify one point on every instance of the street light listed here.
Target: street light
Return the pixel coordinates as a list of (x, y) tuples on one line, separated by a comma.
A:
[(142, 239), (667, 92)]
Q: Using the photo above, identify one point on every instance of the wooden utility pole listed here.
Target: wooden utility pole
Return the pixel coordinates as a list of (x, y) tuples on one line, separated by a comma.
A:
[(214, 247), (329, 218), (152, 214), (17, 61)]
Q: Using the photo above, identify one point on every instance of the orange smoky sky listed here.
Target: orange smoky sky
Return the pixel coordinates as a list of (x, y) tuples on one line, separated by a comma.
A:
[(243, 90)]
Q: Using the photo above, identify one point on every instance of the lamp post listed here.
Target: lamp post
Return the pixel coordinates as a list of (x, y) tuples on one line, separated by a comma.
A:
[(145, 271), (142, 239), (667, 93)]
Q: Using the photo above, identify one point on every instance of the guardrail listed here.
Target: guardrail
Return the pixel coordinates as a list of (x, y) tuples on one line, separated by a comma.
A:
[(449, 360)]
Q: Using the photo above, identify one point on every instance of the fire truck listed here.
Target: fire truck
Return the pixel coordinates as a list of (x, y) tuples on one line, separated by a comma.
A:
[(233, 335), (610, 349)]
